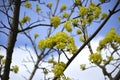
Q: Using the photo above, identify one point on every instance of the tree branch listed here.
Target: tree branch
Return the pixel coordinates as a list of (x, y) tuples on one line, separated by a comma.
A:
[(95, 33), (56, 8), (4, 47), (12, 39), (37, 25)]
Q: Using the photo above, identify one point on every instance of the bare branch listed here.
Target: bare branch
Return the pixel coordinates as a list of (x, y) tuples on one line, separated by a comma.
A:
[(115, 68), (65, 54), (27, 68), (4, 47), (4, 26), (30, 54), (3, 32), (56, 7), (31, 27)]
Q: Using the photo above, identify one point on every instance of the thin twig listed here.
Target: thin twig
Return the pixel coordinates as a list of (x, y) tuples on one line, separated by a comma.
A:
[(4, 47)]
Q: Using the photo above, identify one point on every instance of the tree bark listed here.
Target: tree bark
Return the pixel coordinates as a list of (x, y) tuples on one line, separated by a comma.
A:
[(12, 39), (117, 77), (35, 69)]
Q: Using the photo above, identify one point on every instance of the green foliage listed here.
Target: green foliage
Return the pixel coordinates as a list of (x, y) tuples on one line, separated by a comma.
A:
[(55, 21)]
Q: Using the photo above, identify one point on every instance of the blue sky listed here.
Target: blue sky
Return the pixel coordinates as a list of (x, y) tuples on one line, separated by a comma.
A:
[(113, 22), (73, 69)]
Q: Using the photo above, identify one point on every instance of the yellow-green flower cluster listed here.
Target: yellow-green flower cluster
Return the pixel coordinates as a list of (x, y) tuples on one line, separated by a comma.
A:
[(71, 47), (84, 22), (63, 7), (83, 66), (92, 6), (15, 68), (1, 56), (66, 78), (97, 12), (119, 18), (75, 22), (59, 69), (24, 20), (95, 58), (109, 58), (49, 5), (102, 1), (55, 21), (104, 15), (45, 71), (111, 38), (90, 13), (77, 2), (52, 61), (61, 45), (41, 45), (38, 8), (83, 38), (94, 12), (60, 40), (3, 61), (78, 31), (83, 11), (49, 42), (36, 35), (68, 26), (27, 4), (65, 15)]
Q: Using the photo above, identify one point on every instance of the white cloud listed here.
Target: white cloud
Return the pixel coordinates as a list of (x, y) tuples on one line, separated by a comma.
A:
[(73, 71), (17, 59)]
